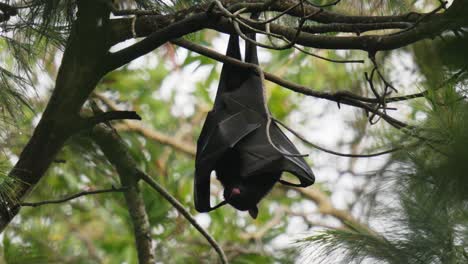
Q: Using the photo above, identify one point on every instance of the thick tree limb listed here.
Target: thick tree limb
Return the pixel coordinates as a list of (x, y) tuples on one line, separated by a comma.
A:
[(126, 168), (438, 23), (175, 29), (371, 43), (354, 28), (148, 24)]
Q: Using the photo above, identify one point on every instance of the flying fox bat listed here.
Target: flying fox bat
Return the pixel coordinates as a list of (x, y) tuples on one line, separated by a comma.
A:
[(234, 141)]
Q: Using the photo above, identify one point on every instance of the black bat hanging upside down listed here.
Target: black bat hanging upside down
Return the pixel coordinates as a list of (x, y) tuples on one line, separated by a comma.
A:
[(234, 142)]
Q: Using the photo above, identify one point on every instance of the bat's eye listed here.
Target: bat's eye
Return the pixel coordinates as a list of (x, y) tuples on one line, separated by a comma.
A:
[(234, 192)]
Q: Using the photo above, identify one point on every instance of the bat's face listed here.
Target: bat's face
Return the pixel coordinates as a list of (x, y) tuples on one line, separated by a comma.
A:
[(245, 195), (241, 198)]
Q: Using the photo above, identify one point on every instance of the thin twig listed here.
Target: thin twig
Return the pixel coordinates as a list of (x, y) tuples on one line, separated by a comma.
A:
[(442, 5), (74, 196), (327, 59), (339, 153), (234, 17), (181, 209), (376, 66), (381, 98), (324, 5), (270, 118), (263, 22)]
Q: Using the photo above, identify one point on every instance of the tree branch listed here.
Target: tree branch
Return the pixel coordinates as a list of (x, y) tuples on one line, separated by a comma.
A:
[(372, 43), (183, 146), (357, 28), (74, 196), (116, 151), (349, 155), (438, 23), (176, 29), (145, 25), (340, 98), (109, 116), (185, 213), (126, 167)]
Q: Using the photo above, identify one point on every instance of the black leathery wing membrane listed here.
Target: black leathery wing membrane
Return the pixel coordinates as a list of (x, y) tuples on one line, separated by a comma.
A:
[(234, 143)]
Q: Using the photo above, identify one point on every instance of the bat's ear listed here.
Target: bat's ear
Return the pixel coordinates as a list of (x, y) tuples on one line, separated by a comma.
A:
[(250, 48), (253, 212), (233, 49)]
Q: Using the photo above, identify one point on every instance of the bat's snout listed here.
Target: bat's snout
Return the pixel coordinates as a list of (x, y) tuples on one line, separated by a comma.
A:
[(234, 192)]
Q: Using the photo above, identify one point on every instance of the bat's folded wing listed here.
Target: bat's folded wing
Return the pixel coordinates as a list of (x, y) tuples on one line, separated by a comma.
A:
[(293, 164), (217, 137), (258, 157)]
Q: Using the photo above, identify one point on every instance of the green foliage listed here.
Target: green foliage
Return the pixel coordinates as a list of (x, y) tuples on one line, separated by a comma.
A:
[(14, 81)]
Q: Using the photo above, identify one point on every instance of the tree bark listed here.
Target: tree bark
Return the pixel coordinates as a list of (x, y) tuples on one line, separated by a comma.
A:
[(126, 167)]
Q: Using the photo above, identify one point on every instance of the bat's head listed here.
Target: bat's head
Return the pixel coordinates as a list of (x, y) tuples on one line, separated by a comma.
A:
[(245, 196), (242, 199)]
